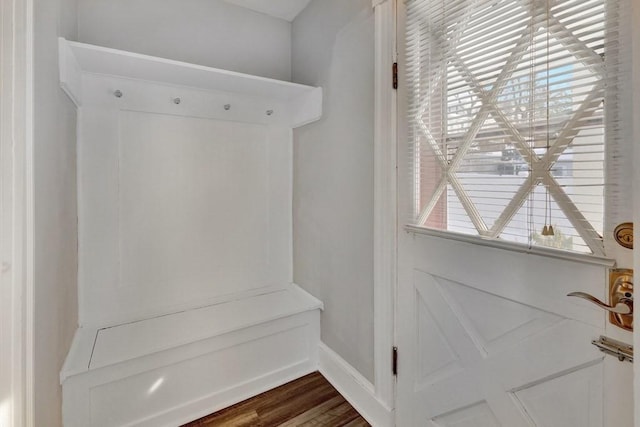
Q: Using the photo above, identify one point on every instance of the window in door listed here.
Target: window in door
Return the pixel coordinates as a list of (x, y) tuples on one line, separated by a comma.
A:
[(514, 106)]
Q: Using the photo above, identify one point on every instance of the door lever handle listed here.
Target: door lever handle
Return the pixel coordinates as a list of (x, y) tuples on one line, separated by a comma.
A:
[(624, 305), (620, 298)]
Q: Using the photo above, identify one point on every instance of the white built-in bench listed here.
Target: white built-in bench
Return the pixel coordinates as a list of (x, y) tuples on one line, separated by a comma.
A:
[(185, 239), (171, 369)]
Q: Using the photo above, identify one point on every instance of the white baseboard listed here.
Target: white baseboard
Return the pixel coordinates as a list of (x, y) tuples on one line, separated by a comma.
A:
[(358, 391)]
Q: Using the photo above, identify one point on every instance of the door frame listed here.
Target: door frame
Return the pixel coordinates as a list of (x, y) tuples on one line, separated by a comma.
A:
[(385, 202), (16, 228)]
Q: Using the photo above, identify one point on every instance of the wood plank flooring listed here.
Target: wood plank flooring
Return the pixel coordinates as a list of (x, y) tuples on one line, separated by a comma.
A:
[(308, 401)]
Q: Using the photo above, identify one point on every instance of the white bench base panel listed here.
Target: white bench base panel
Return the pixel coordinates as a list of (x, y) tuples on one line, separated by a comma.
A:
[(180, 384)]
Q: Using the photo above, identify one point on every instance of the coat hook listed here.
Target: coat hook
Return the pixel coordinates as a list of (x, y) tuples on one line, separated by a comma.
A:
[(176, 101), (118, 94), (269, 112), (227, 107)]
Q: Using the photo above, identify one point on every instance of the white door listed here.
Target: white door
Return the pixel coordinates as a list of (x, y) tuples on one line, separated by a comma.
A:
[(487, 337), (486, 333)]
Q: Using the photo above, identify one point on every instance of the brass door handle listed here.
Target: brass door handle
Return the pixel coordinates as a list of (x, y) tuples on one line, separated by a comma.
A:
[(624, 305), (620, 305)]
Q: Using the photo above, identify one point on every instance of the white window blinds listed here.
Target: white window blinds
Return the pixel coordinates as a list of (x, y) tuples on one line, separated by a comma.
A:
[(513, 106)]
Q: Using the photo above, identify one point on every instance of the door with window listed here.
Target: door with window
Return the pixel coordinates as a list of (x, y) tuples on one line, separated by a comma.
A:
[(514, 146)]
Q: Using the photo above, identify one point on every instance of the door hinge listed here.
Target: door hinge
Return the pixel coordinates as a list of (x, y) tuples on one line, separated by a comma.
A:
[(395, 75), (395, 361)]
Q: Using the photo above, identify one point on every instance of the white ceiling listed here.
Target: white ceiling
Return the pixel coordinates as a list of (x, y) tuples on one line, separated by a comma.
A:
[(284, 9)]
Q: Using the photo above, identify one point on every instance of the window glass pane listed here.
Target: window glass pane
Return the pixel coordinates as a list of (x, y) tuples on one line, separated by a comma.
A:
[(507, 119)]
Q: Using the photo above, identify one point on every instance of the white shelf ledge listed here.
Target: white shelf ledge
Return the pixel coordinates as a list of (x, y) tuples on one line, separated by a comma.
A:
[(303, 103)]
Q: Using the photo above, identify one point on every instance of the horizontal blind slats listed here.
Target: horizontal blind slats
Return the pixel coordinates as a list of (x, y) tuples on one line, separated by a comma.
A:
[(506, 95)]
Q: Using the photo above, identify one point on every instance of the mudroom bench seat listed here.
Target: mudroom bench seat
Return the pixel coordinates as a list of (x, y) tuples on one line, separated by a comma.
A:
[(174, 368)]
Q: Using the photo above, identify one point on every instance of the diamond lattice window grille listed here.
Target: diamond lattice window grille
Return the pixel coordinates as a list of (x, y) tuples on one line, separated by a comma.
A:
[(507, 107)]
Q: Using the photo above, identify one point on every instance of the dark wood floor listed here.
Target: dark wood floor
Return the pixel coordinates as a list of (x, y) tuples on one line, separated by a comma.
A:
[(308, 401)]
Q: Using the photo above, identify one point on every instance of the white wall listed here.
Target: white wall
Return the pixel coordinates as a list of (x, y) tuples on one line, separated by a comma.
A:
[(333, 47), (206, 32), (55, 234)]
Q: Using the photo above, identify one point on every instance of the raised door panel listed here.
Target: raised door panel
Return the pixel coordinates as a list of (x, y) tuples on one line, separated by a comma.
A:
[(483, 358)]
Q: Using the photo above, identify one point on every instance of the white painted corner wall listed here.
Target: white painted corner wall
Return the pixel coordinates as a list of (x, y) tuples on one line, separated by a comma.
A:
[(55, 241), (213, 33), (333, 47), (326, 68), (16, 214)]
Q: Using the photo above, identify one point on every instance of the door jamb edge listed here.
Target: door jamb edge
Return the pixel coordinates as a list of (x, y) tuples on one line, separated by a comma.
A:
[(385, 200)]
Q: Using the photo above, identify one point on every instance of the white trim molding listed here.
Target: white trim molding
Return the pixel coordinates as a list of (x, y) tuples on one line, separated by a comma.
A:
[(385, 200), (295, 105), (16, 218), (635, 32), (354, 387), (512, 246)]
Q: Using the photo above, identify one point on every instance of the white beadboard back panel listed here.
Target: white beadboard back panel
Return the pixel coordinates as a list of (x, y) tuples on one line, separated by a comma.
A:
[(177, 209)]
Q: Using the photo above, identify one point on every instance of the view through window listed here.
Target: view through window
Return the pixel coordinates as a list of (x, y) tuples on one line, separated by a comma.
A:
[(507, 118)]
